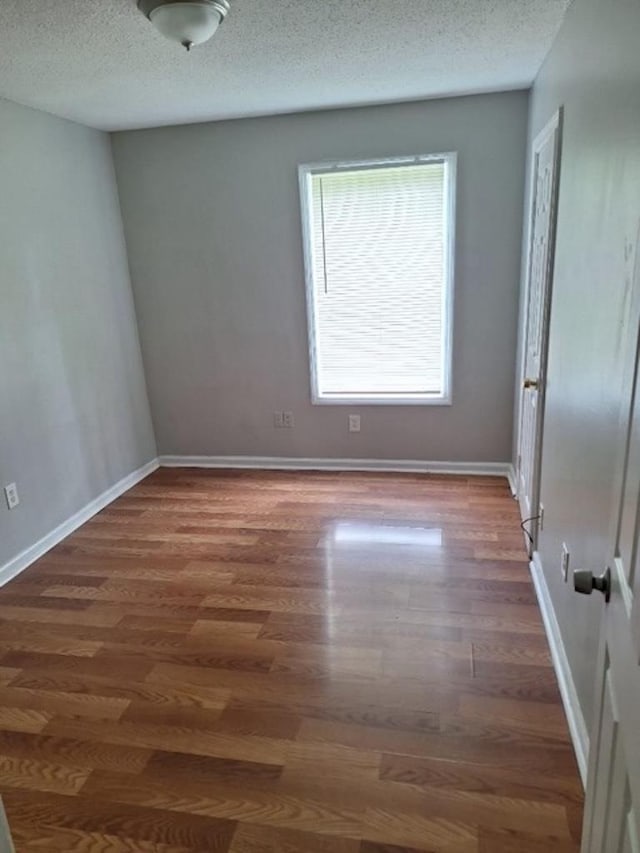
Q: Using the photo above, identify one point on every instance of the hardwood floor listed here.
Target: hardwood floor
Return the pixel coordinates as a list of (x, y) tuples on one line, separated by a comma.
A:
[(273, 662)]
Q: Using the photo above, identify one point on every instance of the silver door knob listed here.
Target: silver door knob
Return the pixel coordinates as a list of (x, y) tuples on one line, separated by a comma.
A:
[(584, 582)]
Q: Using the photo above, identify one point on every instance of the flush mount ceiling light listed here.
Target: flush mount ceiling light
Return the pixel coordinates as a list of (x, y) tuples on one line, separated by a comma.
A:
[(187, 22)]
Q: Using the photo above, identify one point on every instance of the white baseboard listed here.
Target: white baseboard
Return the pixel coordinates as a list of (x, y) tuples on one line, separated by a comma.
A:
[(6, 844), (511, 477), (277, 463), (34, 552), (572, 709)]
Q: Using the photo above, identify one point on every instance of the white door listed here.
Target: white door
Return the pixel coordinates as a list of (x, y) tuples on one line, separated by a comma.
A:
[(542, 227), (612, 810)]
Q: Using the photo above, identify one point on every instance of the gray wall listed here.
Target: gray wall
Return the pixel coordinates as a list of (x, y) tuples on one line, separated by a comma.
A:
[(74, 415), (213, 230), (594, 71)]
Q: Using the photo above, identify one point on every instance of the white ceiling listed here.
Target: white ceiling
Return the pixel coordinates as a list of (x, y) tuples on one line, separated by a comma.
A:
[(100, 62)]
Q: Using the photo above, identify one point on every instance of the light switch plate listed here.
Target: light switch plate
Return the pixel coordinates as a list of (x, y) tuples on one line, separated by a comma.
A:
[(564, 563)]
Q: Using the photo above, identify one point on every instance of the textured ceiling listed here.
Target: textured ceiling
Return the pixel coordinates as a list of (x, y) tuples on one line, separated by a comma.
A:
[(100, 62)]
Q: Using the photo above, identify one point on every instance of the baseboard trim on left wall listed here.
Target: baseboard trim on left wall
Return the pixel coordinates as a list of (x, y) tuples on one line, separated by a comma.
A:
[(34, 552), (568, 692)]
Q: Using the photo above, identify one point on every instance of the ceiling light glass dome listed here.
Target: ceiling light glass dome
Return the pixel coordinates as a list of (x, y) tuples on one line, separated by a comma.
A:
[(187, 22)]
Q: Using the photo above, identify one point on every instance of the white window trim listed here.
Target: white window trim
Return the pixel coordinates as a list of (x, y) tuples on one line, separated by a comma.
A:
[(305, 173)]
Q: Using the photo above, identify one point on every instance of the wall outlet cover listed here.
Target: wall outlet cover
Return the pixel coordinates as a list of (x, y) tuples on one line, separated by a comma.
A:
[(11, 495), (354, 423), (287, 420)]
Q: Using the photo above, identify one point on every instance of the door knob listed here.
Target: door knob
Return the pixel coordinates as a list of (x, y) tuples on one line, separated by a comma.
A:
[(584, 582), (530, 383)]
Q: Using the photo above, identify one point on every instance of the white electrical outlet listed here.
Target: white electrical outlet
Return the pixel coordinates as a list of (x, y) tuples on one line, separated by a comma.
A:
[(541, 518), (564, 563), (283, 420), (354, 423), (12, 496)]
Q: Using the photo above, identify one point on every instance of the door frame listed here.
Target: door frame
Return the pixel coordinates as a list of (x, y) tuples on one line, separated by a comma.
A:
[(554, 125)]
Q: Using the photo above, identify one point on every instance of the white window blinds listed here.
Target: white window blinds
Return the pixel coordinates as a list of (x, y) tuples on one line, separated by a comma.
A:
[(378, 256)]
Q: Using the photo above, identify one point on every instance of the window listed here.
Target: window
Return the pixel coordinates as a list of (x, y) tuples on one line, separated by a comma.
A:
[(379, 256)]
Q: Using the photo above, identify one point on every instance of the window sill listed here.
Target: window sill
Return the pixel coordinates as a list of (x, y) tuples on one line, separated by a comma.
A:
[(357, 400)]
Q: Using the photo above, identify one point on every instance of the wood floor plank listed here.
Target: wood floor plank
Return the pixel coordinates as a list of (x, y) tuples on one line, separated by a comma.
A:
[(62, 703), (487, 778), (199, 768), (261, 839), (374, 847), (23, 719), (325, 708), (171, 738), (333, 763), (526, 815), (115, 666), (57, 840), (408, 829), (286, 662), (87, 755), (31, 818), (509, 841), (246, 804), (165, 693), (41, 775), (544, 717)]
